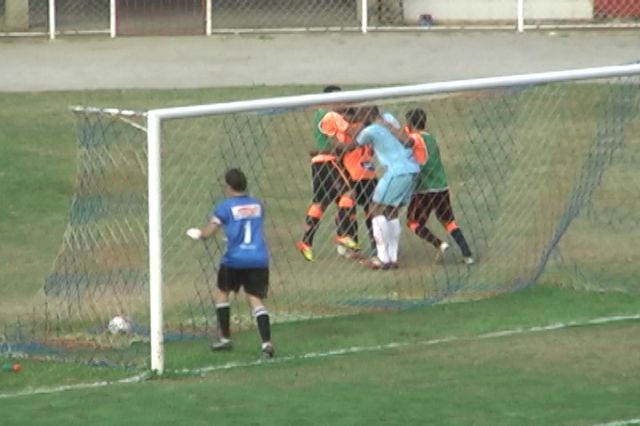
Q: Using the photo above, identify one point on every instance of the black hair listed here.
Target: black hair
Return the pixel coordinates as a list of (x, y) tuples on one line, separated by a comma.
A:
[(332, 88), (349, 113), (367, 114), (236, 180), (417, 118)]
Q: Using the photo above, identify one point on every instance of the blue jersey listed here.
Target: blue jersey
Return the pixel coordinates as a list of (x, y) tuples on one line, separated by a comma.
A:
[(390, 152), (242, 218)]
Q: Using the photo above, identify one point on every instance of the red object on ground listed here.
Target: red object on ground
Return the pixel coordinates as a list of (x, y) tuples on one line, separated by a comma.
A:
[(16, 368), (616, 9)]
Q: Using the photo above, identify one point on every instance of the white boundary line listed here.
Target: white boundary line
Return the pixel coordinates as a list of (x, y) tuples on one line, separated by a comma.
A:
[(57, 389), (621, 422), (394, 345), (343, 351)]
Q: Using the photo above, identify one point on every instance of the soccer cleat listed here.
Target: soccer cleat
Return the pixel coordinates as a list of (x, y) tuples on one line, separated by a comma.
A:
[(222, 345), (305, 250), (347, 242), (394, 265), (267, 351), (469, 261)]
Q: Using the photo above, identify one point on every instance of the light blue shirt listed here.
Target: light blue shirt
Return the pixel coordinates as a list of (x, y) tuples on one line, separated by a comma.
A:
[(389, 151)]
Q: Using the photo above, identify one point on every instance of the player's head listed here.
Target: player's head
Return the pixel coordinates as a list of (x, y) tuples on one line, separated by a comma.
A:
[(416, 118), (332, 88), (349, 113), (236, 180), (367, 114)]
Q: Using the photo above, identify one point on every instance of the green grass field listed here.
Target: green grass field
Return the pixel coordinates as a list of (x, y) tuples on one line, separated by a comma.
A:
[(575, 375)]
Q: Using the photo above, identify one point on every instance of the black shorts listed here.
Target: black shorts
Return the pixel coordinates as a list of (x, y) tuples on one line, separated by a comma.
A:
[(363, 191), (328, 182), (255, 280), (423, 204)]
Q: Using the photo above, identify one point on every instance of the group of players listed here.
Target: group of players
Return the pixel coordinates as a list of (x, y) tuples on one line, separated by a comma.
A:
[(343, 172)]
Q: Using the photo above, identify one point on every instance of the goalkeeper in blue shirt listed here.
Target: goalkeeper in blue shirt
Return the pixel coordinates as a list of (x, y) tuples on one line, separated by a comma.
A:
[(246, 261)]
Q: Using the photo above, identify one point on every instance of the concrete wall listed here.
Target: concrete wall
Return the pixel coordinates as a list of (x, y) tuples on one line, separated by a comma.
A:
[(16, 15), (558, 9), (497, 10)]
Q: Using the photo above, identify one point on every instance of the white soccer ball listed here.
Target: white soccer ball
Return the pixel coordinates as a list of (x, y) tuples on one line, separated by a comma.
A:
[(119, 325)]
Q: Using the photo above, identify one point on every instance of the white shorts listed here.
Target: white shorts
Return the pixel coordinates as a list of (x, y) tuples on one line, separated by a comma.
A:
[(395, 190)]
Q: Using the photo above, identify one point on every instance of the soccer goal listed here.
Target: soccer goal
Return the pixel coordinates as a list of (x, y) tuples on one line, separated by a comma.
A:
[(541, 171)]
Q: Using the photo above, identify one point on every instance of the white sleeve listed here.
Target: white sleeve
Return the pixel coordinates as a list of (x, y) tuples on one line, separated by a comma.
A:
[(363, 137), (389, 118)]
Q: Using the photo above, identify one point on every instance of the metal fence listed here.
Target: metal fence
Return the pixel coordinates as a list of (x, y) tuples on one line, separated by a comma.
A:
[(173, 17), (33, 17)]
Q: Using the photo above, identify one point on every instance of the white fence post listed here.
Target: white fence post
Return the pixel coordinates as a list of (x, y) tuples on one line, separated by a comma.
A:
[(52, 19), (209, 18), (520, 12), (112, 18), (364, 15)]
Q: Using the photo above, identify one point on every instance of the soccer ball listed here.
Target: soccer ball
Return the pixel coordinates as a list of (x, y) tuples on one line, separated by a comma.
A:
[(119, 325)]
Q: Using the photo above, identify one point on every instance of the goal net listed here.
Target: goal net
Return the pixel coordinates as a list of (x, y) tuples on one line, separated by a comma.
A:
[(541, 171)]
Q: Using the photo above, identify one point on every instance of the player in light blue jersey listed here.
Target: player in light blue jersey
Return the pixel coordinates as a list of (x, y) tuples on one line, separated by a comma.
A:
[(392, 148), (245, 263)]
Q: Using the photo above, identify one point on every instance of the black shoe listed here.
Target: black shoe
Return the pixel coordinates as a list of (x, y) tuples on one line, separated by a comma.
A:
[(268, 352), (224, 345)]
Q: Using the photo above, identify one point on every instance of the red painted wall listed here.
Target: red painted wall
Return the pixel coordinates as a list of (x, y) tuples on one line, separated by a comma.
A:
[(616, 8)]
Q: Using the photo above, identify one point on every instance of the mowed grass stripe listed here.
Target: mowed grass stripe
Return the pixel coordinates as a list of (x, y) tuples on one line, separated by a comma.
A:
[(555, 377)]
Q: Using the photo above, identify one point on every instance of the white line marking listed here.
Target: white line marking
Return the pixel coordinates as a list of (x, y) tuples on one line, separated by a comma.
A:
[(621, 422), (56, 389), (394, 345), (344, 351)]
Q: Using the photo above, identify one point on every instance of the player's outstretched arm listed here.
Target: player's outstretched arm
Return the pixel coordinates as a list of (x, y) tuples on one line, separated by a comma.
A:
[(203, 233)]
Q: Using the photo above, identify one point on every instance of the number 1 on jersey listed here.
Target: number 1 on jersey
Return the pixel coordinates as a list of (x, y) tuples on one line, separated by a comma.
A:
[(247, 232)]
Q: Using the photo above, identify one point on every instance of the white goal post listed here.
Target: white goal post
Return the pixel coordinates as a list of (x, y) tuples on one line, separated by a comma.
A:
[(156, 118)]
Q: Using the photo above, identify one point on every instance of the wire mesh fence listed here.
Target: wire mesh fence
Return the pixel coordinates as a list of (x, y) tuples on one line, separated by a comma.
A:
[(177, 17), (24, 16)]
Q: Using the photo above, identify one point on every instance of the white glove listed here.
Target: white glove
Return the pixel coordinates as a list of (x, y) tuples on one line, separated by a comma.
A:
[(194, 233)]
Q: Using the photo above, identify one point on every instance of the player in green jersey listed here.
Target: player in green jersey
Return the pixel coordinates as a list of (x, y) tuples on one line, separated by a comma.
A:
[(432, 191)]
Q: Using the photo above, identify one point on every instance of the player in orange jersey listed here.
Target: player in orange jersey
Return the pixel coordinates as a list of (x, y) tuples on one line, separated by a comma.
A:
[(330, 183)]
